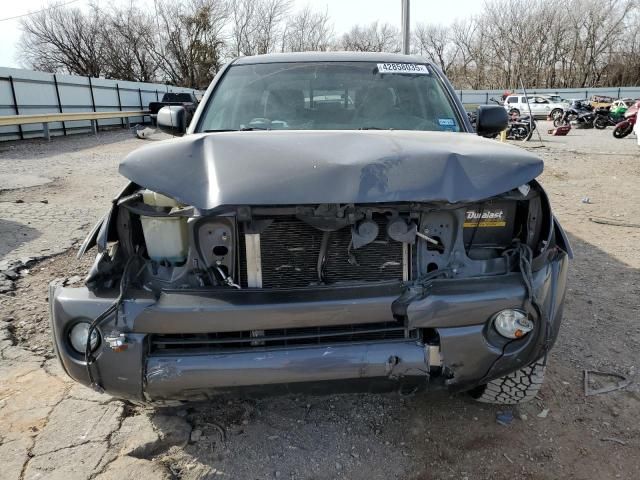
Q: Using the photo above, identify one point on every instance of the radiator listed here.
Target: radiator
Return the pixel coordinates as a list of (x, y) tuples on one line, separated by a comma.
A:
[(289, 251)]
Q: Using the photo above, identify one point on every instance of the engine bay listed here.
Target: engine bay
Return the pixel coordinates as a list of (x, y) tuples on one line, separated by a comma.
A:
[(276, 247)]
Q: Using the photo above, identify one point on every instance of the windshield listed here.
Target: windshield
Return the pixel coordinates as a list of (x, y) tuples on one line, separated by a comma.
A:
[(330, 96)]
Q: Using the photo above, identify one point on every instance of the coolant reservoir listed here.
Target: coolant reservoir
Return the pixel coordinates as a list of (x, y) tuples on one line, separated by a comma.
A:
[(166, 237)]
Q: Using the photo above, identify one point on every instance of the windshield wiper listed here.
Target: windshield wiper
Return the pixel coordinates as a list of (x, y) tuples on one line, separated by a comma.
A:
[(243, 129), (374, 128)]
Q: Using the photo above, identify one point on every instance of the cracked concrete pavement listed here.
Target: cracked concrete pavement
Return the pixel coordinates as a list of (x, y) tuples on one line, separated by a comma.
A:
[(52, 428), (75, 179), (55, 429)]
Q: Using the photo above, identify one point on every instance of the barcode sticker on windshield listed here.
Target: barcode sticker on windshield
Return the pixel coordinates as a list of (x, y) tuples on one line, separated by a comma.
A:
[(415, 68)]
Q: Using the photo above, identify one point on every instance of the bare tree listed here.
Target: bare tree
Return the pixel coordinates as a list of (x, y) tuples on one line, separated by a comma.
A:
[(257, 25), (465, 35), (63, 39), (435, 42), (243, 13), (375, 37), (308, 30), (125, 35), (544, 43), (190, 44), (271, 21)]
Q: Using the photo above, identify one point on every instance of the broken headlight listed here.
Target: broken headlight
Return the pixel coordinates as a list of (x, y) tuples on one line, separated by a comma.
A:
[(512, 323), (78, 337)]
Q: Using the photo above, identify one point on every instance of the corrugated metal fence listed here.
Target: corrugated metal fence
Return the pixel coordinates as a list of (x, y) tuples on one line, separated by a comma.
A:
[(24, 92), (472, 98)]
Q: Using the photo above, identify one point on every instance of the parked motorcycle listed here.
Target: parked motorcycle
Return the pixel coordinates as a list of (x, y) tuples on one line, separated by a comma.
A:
[(579, 114), (604, 118), (625, 127), (520, 127)]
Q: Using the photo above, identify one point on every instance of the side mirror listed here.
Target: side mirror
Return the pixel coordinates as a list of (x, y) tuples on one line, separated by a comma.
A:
[(172, 120), (491, 119)]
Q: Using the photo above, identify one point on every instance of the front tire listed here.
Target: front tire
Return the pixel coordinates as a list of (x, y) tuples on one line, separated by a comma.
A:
[(528, 136), (560, 122), (622, 131), (518, 387), (600, 123), (556, 113)]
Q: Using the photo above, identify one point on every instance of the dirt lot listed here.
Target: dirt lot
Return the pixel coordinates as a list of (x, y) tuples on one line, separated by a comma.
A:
[(51, 428)]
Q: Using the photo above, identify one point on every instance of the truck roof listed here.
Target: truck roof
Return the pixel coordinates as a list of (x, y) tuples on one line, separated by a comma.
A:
[(330, 57)]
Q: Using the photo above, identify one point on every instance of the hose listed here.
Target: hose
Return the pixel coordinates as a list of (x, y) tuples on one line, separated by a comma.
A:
[(525, 258), (112, 309)]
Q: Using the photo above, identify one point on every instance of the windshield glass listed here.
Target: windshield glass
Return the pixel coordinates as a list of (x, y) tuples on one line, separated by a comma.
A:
[(330, 96)]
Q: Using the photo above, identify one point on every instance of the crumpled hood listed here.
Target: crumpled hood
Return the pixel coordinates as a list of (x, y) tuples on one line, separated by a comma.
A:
[(313, 167)]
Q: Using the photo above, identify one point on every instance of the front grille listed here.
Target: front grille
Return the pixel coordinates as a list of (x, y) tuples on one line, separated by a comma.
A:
[(290, 249), (243, 340)]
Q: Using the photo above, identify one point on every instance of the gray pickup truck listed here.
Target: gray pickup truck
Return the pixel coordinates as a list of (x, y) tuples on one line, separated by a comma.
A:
[(328, 221)]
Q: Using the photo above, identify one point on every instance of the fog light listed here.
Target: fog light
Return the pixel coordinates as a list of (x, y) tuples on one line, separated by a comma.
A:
[(512, 324), (78, 337)]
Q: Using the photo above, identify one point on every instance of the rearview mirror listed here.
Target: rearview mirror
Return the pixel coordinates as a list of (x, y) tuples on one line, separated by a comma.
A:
[(491, 119), (172, 120)]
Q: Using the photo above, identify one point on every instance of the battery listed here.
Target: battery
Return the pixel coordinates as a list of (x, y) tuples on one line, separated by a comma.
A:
[(489, 224)]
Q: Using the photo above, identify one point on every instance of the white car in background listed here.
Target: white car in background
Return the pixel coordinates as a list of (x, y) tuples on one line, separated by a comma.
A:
[(539, 105)]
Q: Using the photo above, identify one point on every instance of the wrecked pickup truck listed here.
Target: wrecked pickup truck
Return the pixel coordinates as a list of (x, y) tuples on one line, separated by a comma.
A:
[(328, 222)]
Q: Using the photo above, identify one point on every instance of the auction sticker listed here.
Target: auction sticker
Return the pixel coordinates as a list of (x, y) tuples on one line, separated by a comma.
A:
[(415, 68), (446, 122)]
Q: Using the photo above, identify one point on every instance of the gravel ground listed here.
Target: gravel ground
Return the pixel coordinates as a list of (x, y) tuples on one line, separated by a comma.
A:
[(51, 428)]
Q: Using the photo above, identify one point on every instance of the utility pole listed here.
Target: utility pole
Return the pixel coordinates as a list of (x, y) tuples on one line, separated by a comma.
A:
[(406, 35)]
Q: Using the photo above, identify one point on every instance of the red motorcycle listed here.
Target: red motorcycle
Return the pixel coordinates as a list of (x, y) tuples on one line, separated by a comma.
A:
[(625, 127)]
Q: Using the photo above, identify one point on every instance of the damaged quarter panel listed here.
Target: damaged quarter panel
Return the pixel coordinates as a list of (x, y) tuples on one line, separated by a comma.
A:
[(330, 221)]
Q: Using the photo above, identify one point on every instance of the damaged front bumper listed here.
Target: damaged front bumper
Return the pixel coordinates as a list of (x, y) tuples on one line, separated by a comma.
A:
[(447, 339)]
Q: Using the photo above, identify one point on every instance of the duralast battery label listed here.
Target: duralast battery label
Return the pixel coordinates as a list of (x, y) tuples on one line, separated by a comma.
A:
[(493, 217)]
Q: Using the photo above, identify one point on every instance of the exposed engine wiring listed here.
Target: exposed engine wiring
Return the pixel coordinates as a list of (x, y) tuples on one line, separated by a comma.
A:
[(322, 256), (475, 229), (525, 257), (111, 310), (425, 279), (227, 279)]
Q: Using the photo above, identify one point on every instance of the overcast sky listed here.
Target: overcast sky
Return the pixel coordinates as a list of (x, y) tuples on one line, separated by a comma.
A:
[(344, 14)]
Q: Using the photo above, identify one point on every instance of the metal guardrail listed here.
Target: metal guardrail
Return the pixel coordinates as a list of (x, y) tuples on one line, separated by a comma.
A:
[(46, 118)]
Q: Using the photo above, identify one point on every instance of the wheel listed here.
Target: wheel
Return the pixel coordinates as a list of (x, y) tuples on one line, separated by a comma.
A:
[(514, 111), (556, 113), (600, 123), (517, 387), (622, 131), (559, 122), (528, 136)]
